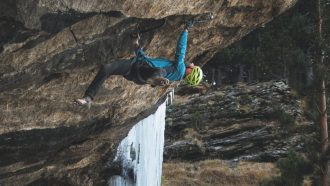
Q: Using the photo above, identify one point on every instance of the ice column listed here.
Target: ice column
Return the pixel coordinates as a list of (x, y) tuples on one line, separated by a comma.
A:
[(141, 152)]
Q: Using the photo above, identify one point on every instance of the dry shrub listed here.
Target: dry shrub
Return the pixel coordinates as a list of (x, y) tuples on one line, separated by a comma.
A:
[(216, 172)]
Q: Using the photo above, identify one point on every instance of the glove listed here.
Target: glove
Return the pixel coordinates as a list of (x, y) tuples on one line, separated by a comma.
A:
[(135, 35), (136, 40), (189, 25)]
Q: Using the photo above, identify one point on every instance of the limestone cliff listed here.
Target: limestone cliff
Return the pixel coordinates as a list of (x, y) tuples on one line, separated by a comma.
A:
[(51, 50)]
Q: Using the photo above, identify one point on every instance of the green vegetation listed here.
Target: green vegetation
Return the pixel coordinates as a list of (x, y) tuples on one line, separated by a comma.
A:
[(286, 120), (292, 170)]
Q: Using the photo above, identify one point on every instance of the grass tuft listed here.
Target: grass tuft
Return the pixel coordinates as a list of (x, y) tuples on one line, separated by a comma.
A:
[(217, 173)]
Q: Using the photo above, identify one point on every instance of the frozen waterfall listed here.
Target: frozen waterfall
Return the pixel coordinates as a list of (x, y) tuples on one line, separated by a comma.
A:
[(141, 152)]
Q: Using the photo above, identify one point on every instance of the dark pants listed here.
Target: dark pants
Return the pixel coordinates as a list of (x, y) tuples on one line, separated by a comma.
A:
[(137, 72), (121, 67)]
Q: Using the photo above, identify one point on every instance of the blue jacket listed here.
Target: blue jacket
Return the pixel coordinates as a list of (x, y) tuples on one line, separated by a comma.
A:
[(179, 65)]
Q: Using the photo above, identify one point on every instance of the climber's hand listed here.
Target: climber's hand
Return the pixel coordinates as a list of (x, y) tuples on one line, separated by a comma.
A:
[(134, 34), (191, 65), (136, 41), (189, 25)]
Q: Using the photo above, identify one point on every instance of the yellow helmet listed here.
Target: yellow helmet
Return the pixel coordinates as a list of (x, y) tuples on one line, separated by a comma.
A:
[(195, 76)]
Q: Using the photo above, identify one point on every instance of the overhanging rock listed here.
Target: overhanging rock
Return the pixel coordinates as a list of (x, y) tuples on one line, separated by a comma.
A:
[(50, 52)]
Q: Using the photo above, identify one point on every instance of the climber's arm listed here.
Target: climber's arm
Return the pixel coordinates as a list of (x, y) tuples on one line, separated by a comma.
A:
[(181, 47)]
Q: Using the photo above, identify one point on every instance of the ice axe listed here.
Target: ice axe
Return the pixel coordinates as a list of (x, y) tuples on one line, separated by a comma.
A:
[(204, 18)]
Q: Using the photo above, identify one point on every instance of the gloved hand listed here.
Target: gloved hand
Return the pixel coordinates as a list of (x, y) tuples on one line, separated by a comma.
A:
[(136, 41), (189, 25), (134, 34)]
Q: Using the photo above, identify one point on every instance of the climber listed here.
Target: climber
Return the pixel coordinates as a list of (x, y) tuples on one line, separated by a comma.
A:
[(145, 70)]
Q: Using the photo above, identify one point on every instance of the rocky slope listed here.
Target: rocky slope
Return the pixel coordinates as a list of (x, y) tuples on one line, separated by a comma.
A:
[(258, 122), (50, 51)]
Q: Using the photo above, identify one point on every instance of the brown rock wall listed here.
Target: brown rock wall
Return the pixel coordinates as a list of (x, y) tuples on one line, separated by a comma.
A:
[(54, 52)]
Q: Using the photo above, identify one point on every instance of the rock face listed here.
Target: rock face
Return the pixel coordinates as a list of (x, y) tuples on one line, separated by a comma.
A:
[(245, 122), (51, 50)]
